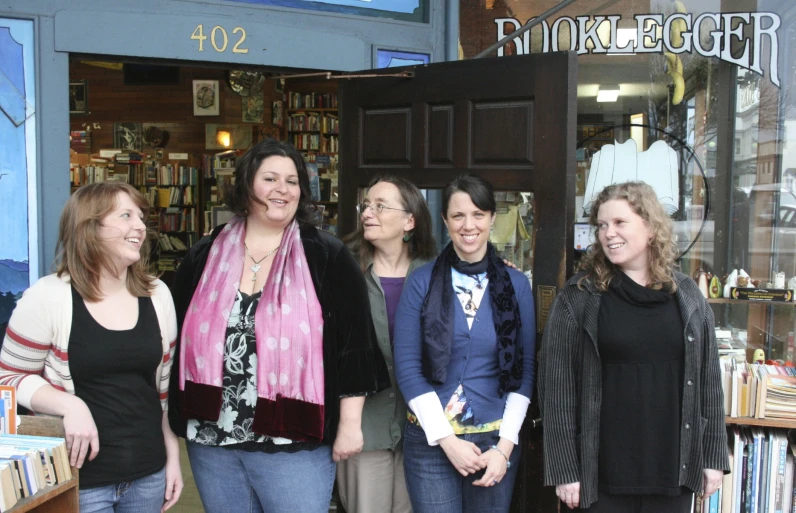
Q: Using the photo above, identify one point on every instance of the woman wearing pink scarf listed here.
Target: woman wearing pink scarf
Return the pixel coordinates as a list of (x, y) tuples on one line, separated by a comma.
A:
[(277, 350)]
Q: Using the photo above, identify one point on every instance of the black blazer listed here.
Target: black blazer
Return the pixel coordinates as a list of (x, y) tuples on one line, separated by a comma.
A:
[(353, 364)]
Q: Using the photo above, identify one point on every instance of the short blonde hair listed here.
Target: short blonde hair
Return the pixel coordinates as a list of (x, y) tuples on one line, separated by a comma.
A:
[(80, 253), (662, 249)]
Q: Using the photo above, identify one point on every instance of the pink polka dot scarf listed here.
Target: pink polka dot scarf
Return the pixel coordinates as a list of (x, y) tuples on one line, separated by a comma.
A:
[(288, 327)]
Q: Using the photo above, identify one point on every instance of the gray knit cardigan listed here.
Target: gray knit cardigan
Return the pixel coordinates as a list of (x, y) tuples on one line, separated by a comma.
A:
[(570, 390)]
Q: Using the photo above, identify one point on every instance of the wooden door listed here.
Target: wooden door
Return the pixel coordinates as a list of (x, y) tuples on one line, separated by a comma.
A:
[(510, 120)]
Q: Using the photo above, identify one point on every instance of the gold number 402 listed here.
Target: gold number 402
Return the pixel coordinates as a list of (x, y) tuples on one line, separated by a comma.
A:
[(219, 34)]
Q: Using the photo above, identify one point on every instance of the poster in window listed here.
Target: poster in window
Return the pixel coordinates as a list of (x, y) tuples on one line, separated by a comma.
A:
[(78, 97)]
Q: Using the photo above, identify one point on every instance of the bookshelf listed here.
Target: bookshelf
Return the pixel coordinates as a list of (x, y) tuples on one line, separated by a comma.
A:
[(61, 498), (313, 127), (771, 423)]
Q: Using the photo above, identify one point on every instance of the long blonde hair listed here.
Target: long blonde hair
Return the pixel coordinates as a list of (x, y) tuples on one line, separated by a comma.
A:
[(662, 249), (80, 252)]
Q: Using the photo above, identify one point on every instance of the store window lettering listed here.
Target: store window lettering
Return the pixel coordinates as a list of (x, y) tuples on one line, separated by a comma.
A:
[(219, 39), (722, 35)]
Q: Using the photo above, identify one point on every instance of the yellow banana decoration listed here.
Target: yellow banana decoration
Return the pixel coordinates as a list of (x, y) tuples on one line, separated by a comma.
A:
[(674, 66)]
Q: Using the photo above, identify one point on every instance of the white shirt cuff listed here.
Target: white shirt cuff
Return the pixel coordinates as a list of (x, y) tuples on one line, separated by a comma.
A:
[(428, 410), (514, 416)]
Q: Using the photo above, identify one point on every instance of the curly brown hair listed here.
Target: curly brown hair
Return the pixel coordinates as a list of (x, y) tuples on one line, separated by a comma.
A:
[(662, 249)]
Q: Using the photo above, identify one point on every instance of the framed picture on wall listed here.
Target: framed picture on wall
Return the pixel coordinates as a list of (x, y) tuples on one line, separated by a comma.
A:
[(206, 99), (276, 113), (128, 136), (78, 97), (220, 215)]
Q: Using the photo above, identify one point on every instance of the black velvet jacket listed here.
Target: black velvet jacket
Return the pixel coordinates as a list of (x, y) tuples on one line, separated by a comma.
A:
[(353, 364)]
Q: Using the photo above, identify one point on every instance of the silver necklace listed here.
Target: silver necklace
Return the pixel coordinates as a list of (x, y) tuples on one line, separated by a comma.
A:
[(256, 267)]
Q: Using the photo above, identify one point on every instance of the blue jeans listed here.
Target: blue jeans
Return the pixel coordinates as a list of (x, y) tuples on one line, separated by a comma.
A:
[(144, 495), (238, 481), (435, 486)]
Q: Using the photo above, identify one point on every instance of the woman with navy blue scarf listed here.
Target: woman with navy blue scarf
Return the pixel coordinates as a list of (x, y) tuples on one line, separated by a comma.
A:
[(464, 360)]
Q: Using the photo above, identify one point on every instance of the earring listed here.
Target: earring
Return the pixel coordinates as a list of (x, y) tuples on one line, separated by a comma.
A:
[(408, 235)]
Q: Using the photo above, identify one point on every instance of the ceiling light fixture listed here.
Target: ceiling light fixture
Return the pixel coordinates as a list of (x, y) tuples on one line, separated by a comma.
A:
[(607, 93)]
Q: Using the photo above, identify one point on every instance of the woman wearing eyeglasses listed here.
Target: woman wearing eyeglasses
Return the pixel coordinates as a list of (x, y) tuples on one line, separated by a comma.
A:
[(393, 239)]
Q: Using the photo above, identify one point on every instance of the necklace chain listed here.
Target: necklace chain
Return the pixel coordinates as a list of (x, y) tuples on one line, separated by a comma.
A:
[(256, 267)]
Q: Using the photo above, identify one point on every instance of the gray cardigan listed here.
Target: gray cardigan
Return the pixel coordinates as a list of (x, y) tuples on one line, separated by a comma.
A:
[(570, 390), (384, 413)]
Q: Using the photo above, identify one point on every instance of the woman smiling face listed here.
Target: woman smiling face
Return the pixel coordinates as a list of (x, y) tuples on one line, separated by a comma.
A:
[(468, 227), (624, 236), (276, 184)]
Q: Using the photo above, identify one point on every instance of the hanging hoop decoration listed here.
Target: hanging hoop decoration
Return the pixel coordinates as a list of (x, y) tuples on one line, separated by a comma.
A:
[(686, 155)]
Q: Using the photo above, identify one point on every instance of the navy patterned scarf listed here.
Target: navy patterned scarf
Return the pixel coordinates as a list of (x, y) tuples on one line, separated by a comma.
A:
[(436, 317)]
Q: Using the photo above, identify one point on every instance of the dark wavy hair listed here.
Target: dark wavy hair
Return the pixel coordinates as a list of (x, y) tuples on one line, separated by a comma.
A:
[(242, 194), (481, 192), (421, 244)]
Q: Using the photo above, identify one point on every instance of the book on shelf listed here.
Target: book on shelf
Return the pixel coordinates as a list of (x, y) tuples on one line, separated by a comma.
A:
[(8, 410), (297, 100), (761, 477), (29, 464)]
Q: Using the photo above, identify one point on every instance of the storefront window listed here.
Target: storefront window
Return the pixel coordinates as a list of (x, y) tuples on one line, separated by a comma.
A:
[(715, 86), (408, 10)]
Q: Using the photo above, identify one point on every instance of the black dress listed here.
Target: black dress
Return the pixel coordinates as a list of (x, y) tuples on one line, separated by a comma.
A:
[(642, 350)]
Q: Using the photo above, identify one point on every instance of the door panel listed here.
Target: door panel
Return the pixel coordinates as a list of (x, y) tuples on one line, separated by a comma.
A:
[(510, 120)]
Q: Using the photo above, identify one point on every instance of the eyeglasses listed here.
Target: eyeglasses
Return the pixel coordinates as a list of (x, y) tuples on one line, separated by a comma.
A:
[(376, 208)]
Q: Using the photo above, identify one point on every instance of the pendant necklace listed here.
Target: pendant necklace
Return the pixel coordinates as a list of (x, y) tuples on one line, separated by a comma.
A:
[(256, 267)]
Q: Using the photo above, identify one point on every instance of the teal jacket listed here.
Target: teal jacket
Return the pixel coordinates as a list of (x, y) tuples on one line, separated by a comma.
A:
[(384, 415)]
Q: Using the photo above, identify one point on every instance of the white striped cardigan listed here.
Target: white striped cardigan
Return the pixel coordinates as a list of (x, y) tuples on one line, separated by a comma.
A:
[(36, 345)]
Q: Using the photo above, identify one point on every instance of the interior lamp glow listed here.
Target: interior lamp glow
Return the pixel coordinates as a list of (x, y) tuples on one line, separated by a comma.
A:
[(608, 93), (223, 138)]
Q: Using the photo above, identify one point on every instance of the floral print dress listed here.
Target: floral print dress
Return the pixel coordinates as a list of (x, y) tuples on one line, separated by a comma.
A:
[(233, 429)]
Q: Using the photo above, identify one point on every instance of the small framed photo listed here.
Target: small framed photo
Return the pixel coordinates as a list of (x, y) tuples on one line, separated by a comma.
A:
[(206, 101), (78, 97), (128, 136), (276, 113), (279, 85), (220, 215)]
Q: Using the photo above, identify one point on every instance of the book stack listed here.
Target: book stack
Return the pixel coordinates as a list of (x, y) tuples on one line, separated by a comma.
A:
[(29, 464), (762, 476), (129, 157), (757, 390), (80, 141)]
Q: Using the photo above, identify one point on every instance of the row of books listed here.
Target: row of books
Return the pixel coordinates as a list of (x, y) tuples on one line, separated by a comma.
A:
[(168, 242), (210, 163), (178, 175), (178, 220), (312, 101), (305, 141), (171, 196), (80, 141), (129, 157), (168, 263), (85, 175), (762, 473), (310, 121), (29, 464), (757, 390)]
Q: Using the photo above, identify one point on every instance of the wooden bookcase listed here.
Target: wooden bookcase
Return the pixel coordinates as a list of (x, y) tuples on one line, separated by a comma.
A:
[(312, 124), (61, 498)]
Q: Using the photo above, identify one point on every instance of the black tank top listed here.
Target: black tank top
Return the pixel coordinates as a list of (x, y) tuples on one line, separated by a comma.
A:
[(114, 374)]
